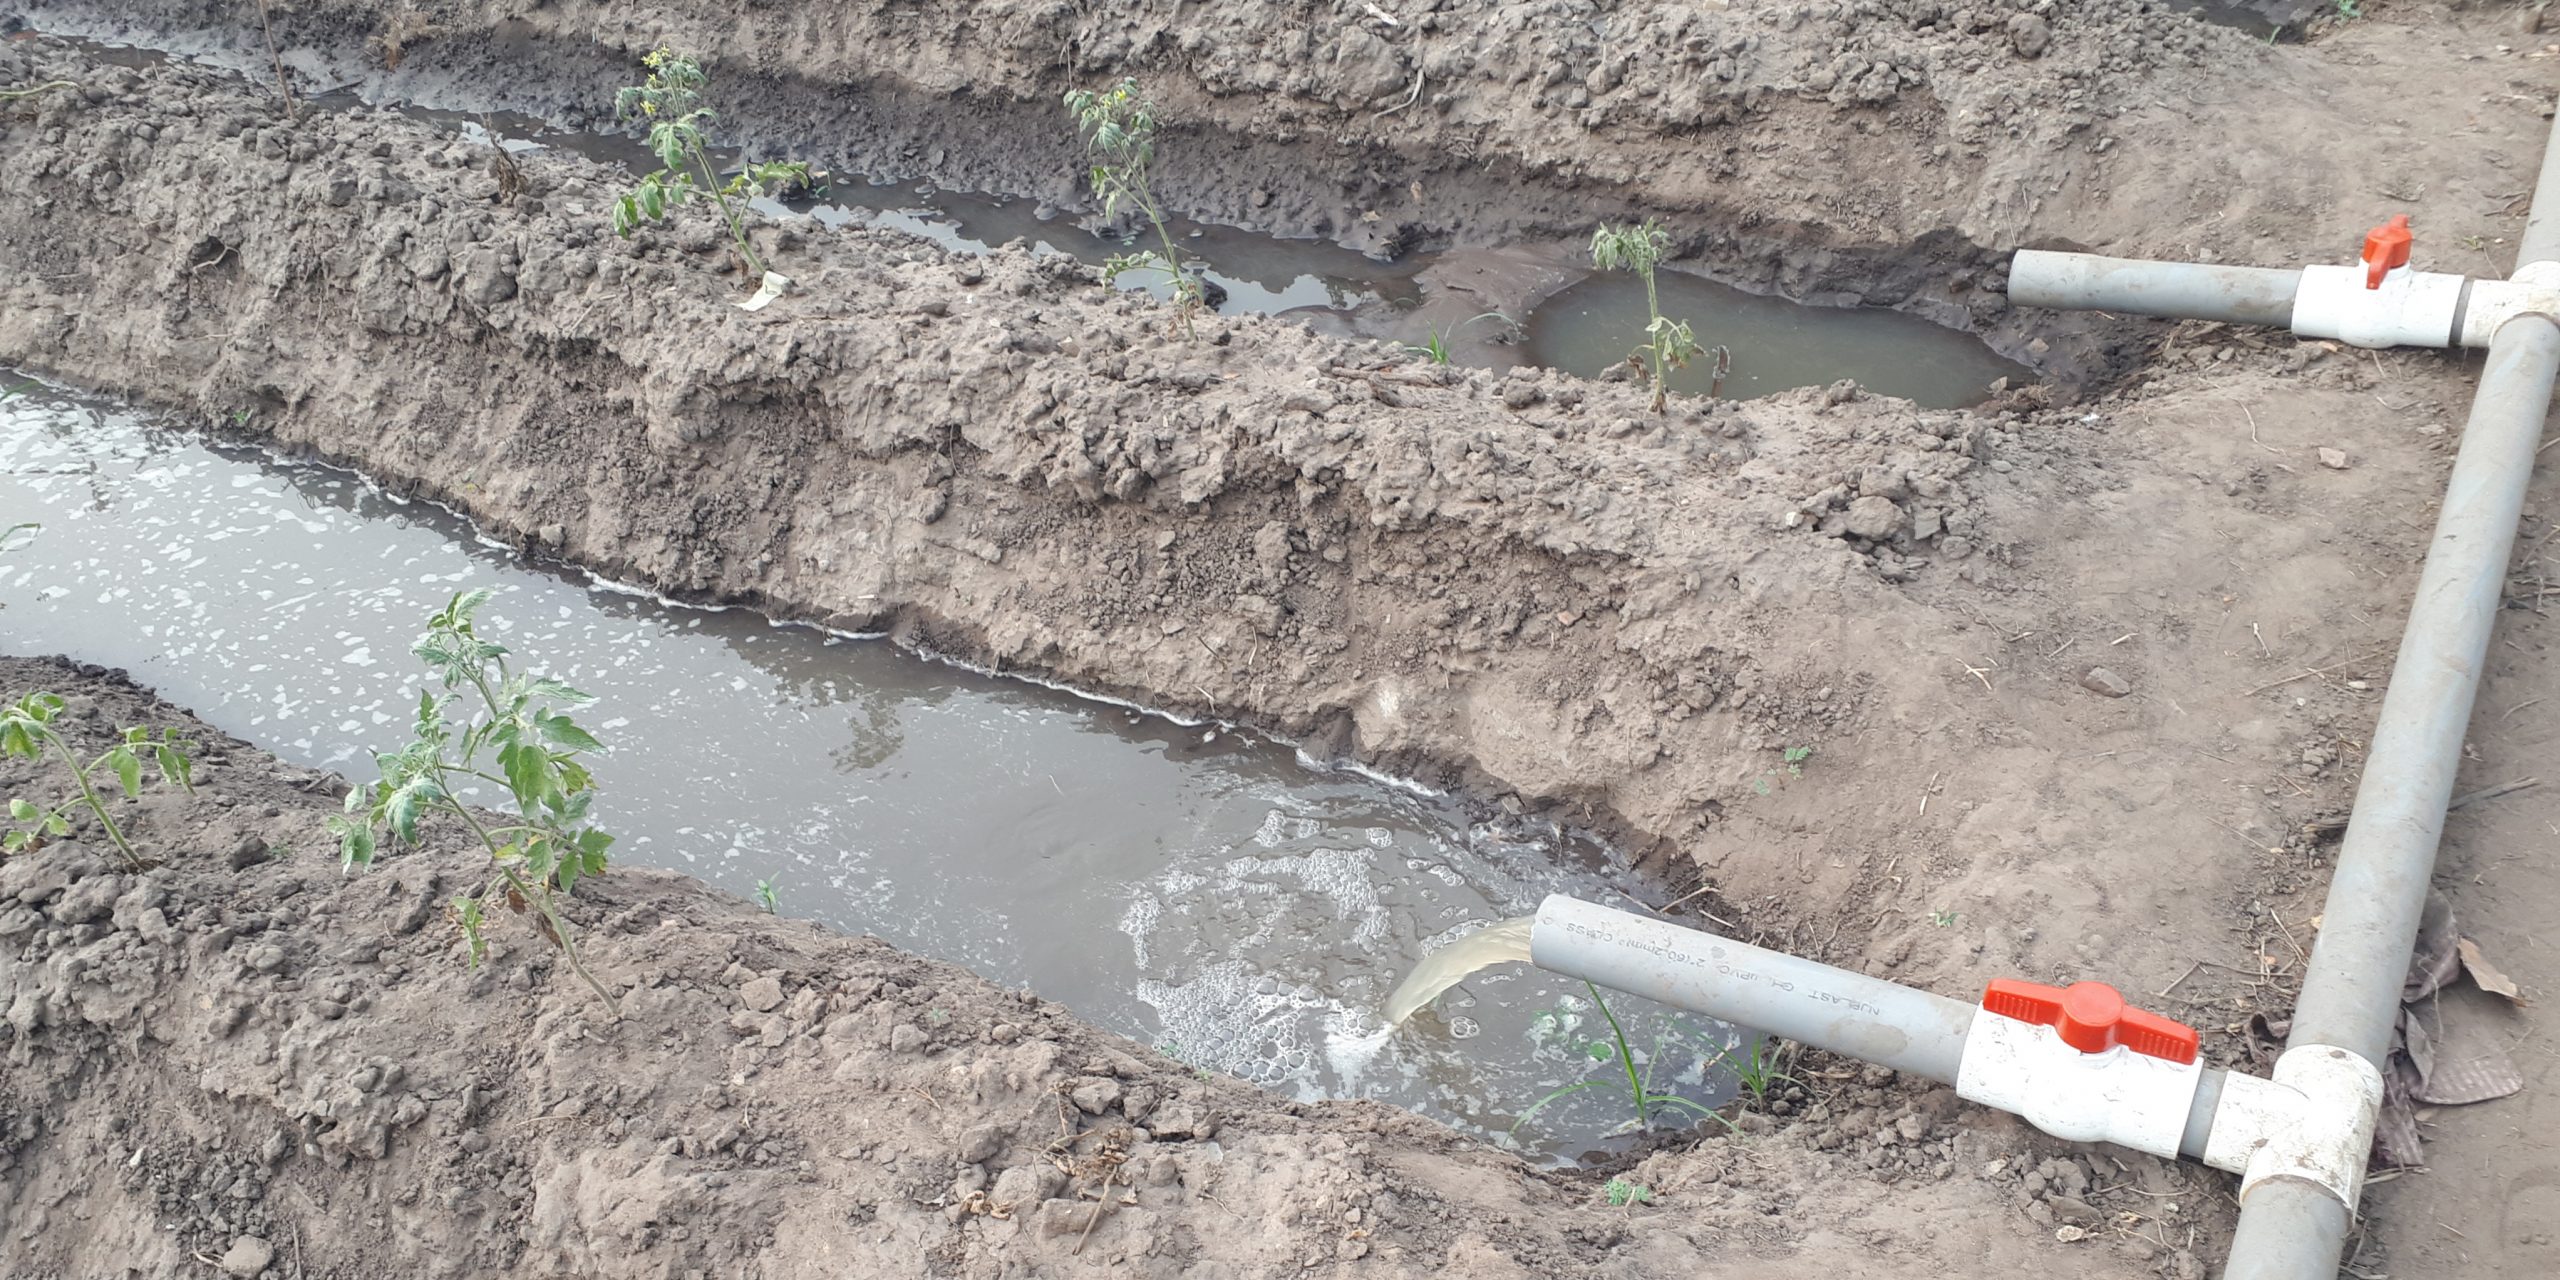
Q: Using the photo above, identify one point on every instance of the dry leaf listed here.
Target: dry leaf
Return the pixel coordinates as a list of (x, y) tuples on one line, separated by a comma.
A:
[(2486, 974)]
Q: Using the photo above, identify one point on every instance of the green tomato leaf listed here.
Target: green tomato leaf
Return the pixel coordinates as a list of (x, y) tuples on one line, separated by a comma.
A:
[(560, 732), (128, 769), (550, 690), (528, 775), (22, 811)]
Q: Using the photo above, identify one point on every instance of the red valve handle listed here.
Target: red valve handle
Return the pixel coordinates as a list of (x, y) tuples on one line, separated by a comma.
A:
[(2092, 1018), (2386, 248)]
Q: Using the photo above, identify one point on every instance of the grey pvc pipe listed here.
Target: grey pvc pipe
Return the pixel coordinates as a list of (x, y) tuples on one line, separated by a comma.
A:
[(2128, 286), (2294, 1230), (2290, 1229), (1905, 1028)]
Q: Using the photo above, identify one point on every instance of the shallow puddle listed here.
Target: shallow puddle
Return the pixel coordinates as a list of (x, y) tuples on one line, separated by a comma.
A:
[(1196, 888), (1775, 344)]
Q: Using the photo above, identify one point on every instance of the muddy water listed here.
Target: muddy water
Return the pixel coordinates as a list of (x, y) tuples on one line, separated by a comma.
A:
[(1193, 887), (1776, 344)]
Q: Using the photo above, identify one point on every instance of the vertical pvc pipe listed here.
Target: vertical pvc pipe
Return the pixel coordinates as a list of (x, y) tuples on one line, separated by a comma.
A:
[(2290, 1229)]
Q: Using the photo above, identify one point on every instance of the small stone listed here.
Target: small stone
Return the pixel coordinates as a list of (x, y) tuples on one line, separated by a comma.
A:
[(763, 995), (1884, 482), (2030, 35), (248, 1256), (2076, 1211), (552, 535), (2333, 459), (1095, 1095), (907, 1037), (1068, 1217), (2099, 680), (1026, 1184), (1873, 518), (981, 1142)]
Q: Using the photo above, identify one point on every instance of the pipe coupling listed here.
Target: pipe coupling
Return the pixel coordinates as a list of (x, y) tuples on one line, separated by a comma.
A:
[(2313, 1122)]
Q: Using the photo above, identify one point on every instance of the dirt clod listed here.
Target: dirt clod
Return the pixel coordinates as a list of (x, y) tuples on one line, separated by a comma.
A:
[(248, 1256)]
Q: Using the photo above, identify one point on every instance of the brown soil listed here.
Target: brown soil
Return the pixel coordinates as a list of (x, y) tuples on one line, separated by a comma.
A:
[(1526, 587)]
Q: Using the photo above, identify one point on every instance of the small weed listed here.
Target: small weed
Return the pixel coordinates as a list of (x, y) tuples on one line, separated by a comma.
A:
[(1791, 761), (490, 719), (671, 101), (2350, 9), (27, 728), (1758, 1069), (1943, 919), (769, 896), (1668, 343), (1436, 348), (1640, 1094), (1622, 1193), (1118, 126)]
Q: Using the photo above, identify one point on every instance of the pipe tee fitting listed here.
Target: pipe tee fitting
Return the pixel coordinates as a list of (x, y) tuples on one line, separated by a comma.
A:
[(2313, 1122)]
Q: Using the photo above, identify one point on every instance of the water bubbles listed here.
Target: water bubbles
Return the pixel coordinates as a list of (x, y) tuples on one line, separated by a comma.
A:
[(1463, 1027)]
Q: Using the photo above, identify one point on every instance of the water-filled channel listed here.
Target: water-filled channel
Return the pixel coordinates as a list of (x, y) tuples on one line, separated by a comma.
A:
[(1197, 888), (1590, 324)]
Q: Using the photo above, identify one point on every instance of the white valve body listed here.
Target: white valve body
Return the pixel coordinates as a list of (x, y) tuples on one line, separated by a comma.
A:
[(2411, 309), (2119, 1096)]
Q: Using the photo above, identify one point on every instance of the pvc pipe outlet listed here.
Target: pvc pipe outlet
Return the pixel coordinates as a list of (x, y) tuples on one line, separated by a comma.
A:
[(2073, 1062), (2396, 307), (2177, 290), (1907, 1029)]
